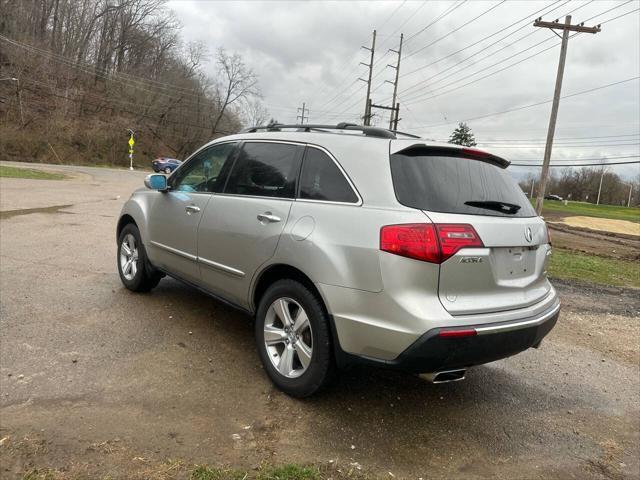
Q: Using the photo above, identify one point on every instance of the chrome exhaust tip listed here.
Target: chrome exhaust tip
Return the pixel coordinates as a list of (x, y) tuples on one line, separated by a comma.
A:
[(446, 376)]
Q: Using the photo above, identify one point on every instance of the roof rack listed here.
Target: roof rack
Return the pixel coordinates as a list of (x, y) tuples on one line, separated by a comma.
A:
[(368, 131)]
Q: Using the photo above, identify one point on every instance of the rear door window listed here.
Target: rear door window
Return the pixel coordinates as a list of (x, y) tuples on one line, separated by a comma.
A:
[(451, 184), (265, 170), (321, 179)]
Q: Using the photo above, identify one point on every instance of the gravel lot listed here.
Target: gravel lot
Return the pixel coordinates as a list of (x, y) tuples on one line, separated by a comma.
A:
[(96, 379)]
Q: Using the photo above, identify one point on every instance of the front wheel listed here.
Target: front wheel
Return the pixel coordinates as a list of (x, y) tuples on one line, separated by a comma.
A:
[(293, 339), (134, 269)]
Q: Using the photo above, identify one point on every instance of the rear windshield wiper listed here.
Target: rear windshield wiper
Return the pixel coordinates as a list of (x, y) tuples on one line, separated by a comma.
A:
[(503, 207)]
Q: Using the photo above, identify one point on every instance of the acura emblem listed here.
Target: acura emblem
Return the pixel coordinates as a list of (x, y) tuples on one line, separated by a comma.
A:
[(528, 235)]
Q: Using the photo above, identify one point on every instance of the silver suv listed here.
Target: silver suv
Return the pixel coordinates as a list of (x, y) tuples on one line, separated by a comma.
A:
[(350, 244)]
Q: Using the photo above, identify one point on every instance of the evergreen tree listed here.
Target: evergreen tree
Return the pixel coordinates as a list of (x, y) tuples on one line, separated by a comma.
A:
[(462, 135)]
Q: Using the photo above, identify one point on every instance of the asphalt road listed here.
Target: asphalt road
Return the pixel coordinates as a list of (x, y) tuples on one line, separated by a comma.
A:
[(94, 375)]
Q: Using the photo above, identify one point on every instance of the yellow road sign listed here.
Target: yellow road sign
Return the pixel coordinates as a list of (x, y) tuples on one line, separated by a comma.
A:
[(131, 141)]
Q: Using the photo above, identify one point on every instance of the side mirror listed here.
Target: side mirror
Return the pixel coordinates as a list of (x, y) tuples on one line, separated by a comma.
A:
[(156, 182)]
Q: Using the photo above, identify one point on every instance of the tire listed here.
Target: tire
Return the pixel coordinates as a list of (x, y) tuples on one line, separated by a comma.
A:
[(167, 171), (138, 274), (303, 353)]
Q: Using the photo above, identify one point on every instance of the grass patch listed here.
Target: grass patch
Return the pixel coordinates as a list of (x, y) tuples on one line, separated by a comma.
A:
[(30, 173), (594, 269), (286, 472), (616, 212), (180, 470)]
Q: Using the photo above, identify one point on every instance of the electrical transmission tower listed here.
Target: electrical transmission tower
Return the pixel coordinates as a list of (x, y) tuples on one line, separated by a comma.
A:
[(367, 105), (394, 108), (302, 116), (566, 27)]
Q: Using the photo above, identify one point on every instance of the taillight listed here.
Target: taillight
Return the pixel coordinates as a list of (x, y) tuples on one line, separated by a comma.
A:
[(429, 242), (413, 240), (454, 236)]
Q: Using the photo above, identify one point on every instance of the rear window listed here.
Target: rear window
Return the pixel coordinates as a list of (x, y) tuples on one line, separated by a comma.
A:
[(451, 184)]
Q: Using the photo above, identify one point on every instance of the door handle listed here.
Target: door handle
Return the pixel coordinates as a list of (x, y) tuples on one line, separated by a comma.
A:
[(191, 209), (268, 217)]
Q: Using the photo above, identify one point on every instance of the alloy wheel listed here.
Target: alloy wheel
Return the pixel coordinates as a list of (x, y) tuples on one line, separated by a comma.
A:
[(129, 257), (288, 337)]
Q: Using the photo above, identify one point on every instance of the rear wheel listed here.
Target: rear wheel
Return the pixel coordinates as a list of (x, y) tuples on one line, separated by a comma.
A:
[(293, 339), (135, 271), (167, 170)]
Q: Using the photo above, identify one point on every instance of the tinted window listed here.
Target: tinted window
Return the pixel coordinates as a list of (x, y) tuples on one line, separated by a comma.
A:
[(265, 170), (457, 185), (202, 172), (321, 179)]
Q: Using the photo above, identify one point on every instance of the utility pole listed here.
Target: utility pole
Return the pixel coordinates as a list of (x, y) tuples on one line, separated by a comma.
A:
[(301, 116), (630, 189), (394, 118), (367, 110), (600, 187), (18, 96), (532, 184), (566, 28)]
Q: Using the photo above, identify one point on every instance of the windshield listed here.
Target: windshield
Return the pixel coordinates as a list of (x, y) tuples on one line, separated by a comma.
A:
[(452, 184)]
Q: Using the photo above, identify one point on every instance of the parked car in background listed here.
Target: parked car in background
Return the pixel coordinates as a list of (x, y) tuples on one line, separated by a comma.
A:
[(165, 164), (553, 197), (350, 244)]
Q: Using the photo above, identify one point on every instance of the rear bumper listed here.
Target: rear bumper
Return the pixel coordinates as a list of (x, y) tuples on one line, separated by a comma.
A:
[(493, 341)]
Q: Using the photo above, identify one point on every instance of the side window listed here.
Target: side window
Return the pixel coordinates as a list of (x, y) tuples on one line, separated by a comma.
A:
[(321, 179), (265, 170), (202, 172)]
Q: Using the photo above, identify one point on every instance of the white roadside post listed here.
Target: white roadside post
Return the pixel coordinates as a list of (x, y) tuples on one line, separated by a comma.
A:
[(131, 144)]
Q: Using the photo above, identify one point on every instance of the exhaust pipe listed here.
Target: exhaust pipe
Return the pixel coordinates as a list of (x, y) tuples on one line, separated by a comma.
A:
[(445, 376)]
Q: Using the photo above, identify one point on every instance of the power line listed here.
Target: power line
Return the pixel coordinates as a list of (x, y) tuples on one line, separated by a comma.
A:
[(447, 11), (525, 18), (562, 138), (468, 65), (530, 105), (613, 157), (440, 17), (575, 165), (138, 84), (455, 29), (565, 145), (392, 35), (424, 97), (92, 70), (416, 96), (356, 68)]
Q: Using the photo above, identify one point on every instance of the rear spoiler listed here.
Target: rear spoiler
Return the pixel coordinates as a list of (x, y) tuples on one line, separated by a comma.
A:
[(453, 151)]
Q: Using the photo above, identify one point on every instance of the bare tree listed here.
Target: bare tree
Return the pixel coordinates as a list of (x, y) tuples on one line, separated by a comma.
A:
[(254, 113), (237, 82), (90, 69)]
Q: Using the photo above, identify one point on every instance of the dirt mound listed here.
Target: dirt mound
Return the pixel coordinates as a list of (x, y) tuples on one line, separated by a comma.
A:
[(604, 224)]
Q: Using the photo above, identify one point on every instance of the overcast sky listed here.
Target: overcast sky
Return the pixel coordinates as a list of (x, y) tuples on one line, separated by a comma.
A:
[(309, 52)]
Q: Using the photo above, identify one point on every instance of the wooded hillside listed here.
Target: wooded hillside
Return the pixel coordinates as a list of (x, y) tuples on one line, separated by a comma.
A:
[(75, 75)]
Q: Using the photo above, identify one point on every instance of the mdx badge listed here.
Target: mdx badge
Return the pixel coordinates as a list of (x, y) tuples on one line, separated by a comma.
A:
[(471, 260)]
